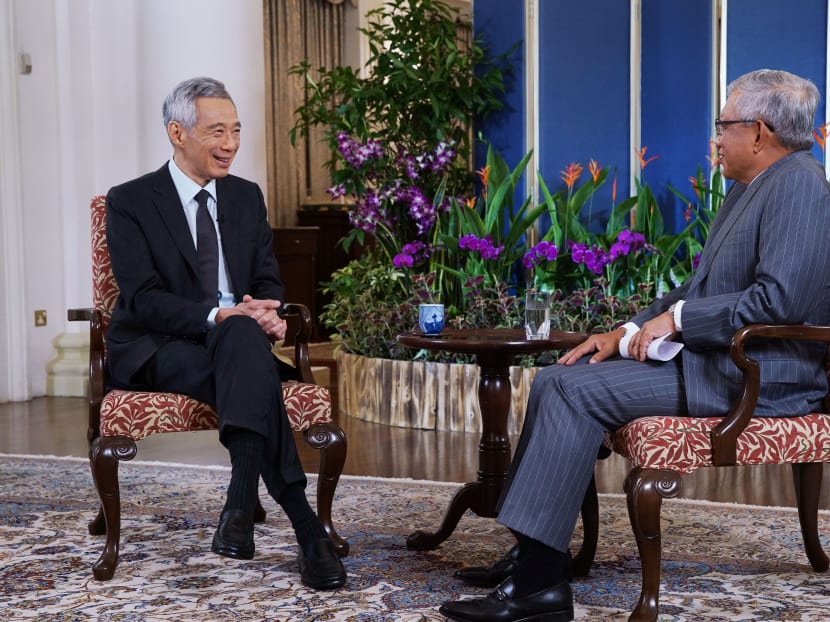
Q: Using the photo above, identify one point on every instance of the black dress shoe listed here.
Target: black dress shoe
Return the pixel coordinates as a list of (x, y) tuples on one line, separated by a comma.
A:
[(490, 576), (320, 567), (554, 604), (235, 535)]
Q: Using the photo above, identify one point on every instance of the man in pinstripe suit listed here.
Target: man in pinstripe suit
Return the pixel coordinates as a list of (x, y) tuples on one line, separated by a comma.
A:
[(767, 260)]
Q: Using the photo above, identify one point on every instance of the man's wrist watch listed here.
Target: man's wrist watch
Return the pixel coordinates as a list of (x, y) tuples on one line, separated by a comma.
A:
[(671, 310)]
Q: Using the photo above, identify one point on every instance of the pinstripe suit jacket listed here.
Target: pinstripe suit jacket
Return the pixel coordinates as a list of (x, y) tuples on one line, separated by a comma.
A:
[(767, 260)]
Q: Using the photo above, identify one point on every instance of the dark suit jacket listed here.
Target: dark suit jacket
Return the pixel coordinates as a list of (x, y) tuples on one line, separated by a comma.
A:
[(767, 261), (154, 261)]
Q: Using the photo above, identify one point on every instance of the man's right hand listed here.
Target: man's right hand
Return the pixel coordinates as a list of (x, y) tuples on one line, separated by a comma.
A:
[(263, 311), (605, 345)]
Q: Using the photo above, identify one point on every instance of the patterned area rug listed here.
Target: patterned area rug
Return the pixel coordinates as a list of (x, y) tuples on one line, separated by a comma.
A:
[(721, 562)]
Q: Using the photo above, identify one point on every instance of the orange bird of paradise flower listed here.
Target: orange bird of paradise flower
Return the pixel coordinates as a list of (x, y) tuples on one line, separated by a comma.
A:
[(571, 174), (821, 135), (713, 157), (614, 191), (483, 175), (595, 169), (642, 156), (696, 188)]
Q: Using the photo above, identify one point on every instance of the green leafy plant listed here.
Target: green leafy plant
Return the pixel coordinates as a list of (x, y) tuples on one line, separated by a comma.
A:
[(422, 86)]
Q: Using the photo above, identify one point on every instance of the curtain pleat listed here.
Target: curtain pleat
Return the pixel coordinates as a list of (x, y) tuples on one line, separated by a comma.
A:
[(296, 30)]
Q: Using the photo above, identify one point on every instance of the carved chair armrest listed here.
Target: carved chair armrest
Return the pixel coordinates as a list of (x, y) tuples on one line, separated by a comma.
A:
[(724, 436), (301, 339), (97, 369)]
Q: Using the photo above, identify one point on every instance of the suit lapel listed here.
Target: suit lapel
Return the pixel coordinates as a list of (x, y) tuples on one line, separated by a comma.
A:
[(170, 209), (734, 205)]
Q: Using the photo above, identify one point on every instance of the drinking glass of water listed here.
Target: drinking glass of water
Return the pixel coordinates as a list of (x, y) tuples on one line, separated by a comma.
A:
[(537, 314)]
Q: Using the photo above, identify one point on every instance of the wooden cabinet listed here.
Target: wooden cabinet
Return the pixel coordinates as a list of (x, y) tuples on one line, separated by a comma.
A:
[(296, 250), (332, 224)]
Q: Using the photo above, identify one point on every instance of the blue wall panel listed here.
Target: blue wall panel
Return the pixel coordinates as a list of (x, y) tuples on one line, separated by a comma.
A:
[(676, 95), (789, 35), (584, 81), (584, 93), (500, 25)]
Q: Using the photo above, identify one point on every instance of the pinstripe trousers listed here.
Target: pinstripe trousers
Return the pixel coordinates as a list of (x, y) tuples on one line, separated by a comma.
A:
[(569, 409)]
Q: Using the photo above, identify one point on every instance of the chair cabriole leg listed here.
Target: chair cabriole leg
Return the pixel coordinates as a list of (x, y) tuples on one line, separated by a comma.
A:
[(104, 455), (590, 531), (330, 439), (807, 478), (645, 490)]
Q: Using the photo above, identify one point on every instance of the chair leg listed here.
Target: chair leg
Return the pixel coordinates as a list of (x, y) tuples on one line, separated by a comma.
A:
[(98, 525), (807, 478), (645, 490), (104, 454), (590, 531), (584, 559), (330, 439)]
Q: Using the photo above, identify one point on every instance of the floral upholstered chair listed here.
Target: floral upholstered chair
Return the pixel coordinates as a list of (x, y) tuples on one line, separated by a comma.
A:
[(117, 419), (663, 449)]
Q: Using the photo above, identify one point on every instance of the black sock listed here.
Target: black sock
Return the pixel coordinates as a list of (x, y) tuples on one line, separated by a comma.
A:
[(306, 524), (245, 449), (539, 567)]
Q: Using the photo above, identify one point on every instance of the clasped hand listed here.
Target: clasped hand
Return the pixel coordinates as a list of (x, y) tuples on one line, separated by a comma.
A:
[(606, 345), (263, 311)]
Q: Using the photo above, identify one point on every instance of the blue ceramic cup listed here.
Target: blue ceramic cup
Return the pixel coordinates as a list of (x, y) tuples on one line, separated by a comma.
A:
[(431, 318)]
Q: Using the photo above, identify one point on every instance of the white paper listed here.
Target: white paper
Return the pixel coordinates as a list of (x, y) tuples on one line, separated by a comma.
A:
[(658, 350)]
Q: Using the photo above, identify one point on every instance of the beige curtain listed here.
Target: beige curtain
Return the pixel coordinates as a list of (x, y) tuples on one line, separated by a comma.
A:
[(296, 30)]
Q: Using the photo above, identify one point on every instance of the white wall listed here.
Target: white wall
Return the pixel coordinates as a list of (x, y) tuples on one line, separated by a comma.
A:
[(90, 117)]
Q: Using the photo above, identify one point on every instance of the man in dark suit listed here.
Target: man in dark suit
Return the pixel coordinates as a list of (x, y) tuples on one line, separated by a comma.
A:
[(767, 260), (199, 308)]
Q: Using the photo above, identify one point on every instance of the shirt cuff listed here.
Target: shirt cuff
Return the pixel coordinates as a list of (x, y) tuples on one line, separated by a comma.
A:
[(676, 316), (631, 329), (211, 318)]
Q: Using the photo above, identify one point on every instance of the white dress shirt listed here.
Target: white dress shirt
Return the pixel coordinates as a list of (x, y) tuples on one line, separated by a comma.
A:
[(187, 190)]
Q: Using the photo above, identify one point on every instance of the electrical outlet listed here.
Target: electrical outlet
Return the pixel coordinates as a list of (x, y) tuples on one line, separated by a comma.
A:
[(40, 317)]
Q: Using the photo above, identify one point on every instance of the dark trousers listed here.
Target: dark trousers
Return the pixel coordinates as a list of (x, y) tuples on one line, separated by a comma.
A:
[(235, 372)]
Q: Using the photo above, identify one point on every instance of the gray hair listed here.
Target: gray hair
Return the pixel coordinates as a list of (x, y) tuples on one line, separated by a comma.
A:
[(783, 100), (180, 105)]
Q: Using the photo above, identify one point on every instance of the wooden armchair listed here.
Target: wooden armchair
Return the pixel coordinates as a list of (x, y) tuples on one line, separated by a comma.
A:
[(117, 419), (663, 449)]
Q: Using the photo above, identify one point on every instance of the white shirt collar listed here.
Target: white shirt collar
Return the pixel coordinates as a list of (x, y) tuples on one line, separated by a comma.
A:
[(186, 187)]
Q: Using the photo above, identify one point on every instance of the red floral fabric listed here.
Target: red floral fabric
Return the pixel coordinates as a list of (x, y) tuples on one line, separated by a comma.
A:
[(682, 444), (138, 414), (104, 286)]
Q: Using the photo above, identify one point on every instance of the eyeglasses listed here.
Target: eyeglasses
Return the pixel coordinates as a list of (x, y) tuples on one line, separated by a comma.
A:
[(719, 125)]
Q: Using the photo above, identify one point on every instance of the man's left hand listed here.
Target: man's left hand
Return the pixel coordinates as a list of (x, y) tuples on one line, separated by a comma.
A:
[(656, 327), (265, 313)]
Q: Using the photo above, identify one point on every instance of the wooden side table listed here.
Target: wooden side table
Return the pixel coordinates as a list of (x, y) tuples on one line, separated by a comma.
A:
[(494, 350)]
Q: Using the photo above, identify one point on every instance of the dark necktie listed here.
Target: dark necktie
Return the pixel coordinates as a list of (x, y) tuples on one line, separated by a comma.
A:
[(207, 251)]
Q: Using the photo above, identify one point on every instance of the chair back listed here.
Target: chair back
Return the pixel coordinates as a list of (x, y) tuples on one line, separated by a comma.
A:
[(104, 287)]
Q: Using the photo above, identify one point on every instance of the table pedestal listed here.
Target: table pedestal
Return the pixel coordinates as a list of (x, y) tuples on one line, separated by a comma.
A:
[(494, 457), (494, 350)]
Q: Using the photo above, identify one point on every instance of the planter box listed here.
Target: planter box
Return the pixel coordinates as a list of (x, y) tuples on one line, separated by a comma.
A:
[(416, 394)]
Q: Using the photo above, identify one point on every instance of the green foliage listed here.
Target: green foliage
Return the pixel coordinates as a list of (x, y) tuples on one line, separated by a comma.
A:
[(400, 137), (592, 309), (483, 236), (371, 305), (421, 86), (490, 305)]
